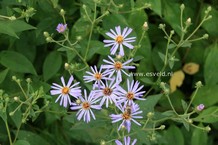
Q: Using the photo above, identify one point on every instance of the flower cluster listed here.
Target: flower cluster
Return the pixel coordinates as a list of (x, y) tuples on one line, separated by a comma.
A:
[(107, 81)]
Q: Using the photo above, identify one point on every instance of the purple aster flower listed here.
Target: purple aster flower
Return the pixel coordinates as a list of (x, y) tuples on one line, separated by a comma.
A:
[(61, 28), (109, 92), (133, 92), (96, 76), (86, 105), (65, 91), (200, 107), (129, 113), (113, 66), (119, 39), (126, 141)]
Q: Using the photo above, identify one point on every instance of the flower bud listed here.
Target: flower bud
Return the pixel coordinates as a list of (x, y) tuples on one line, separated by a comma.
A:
[(162, 127), (172, 32), (200, 107), (120, 6), (190, 121), (162, 26), (14, 78), (78, 38), (16, 99), (49, 39), (11, 113), (188, 22), (12, 18), (28, 80), (205, 36), (150, 115), (198, 84), (118, 56), (62, 12), (145, 26), (182, 6), (66, 66), (46, 34), (102, 142), (207, 128)]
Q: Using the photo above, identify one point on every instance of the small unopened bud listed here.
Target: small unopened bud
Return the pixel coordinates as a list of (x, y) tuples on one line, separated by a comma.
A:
[(62, 12), (182, 6), (14, 78), (207, 128), (166, 91), (145, 26), (209, 17), (66, 66), (123, 127), (190, 121), (209, 8), (49, 39), (78, 38), (161, 26), (28, 80), (11, 113), (205, 36), (150, 115), (198, 84), (188, 22), (84, 6), (12, 18), (200, 107), (162, 127), (118, 56), (16, 99), (46, 34), (172, 32), (78, 101), (102, 142), (120, 6), (162, 85), (107, 12)]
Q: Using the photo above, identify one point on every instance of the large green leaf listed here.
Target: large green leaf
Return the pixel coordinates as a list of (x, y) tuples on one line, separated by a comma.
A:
[(209, 115), (32, 138), (16, 62), (199, 137), (3, 74), (12, 27), (21, 142), (211, 66), (206, 95), (174, 135), (51, 65)]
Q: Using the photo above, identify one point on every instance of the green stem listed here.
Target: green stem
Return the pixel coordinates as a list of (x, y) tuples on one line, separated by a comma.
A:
[(8, 131), (90, 34), (192, 98), (171, 105), (77, 53)]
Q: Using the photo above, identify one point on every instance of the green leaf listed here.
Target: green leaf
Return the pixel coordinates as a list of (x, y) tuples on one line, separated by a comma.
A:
[(206, 95), (174, 135), (3, 74), (32, 138), (51, 65), (5, 29), (148, 105), (162, 56), (16, 62), (211, 66), (199, 137), (184, 105), (209, 115), (21, 142)]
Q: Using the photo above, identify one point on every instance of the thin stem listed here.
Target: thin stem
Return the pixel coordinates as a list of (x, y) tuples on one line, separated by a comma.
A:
[(90, 34), (17, 132), (8, 131), (192, 98), (168, 98), (22, 90), (77, 53)]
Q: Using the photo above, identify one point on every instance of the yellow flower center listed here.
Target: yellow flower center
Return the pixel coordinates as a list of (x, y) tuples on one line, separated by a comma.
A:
[(86, 105), (107, 91), (118, 65), (126, 115), (65, 90), (119, 39), (130, 95), (98, 76)]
